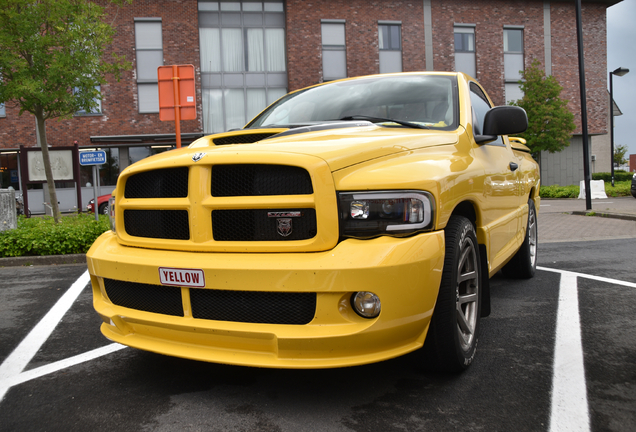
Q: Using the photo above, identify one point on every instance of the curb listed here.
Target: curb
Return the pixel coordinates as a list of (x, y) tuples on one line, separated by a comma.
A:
[(43, 260), (622, 216)]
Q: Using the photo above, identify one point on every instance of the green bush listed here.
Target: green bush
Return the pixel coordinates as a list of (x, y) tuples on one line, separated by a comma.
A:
[(621, 188), (556, 191), (41, 236), (618, 176)]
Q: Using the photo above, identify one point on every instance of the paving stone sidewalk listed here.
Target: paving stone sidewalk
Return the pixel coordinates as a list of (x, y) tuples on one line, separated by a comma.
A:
[(564, 220)]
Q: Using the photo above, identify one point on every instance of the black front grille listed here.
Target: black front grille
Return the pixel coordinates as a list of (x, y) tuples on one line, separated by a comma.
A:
[(242, 139), (149, 298), (253, 307), (257, 180), (163, 183), (262, 225), (164, 224)]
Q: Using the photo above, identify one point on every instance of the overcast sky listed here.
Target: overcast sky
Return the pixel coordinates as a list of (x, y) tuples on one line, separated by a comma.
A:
[(621, 52)]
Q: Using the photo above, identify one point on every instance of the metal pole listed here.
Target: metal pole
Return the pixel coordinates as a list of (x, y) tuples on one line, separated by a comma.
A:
[(177, 106), (95, 206), (611, 78), (586, 150)]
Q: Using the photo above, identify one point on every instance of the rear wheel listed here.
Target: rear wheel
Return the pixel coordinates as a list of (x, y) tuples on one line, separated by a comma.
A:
[(452, 337), (524, 264)]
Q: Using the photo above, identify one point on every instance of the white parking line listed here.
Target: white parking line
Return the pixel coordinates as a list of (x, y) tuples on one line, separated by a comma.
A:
[(30, 345), (63, 364), (587, 276), (569, 410)]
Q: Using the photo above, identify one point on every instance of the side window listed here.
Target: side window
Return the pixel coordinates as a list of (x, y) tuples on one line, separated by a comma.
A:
[(480, 105)]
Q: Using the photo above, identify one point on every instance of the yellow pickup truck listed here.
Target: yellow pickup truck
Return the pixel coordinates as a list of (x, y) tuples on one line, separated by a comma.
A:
[(348, 223)]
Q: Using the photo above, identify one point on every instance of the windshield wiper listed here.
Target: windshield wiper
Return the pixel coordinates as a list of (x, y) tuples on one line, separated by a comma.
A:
[(382, 119)]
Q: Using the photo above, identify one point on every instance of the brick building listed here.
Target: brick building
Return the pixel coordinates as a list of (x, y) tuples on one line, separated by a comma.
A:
[(248, 53)]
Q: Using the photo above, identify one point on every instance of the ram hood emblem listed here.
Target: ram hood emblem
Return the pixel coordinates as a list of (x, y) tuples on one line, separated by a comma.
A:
[(197, 157)]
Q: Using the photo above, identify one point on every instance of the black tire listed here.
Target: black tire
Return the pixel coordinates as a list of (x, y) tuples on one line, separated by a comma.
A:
[(524, 264), (453, 334), (103, 209)]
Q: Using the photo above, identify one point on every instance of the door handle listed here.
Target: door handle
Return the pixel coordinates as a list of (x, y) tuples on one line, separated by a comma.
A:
[(513, 166)]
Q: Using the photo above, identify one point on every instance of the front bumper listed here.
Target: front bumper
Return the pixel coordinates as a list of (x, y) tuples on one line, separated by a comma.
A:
[(404, 273)]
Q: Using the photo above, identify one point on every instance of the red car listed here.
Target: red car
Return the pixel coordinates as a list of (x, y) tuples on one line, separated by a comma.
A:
[(102, 204)]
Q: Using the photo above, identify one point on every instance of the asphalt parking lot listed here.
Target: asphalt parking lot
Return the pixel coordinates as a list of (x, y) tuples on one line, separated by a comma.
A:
[(557, 353)]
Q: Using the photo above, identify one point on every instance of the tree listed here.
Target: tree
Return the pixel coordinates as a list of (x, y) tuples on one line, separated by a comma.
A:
[(550, 123), (619, 155), (52, 60)]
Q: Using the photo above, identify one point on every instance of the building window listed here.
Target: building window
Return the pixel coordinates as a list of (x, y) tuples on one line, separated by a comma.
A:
[(149, 50), (334, 50), (390, 44), (513, 62), (9, 170), (465, 49), (97, 109), (243, 60), (3, 113)]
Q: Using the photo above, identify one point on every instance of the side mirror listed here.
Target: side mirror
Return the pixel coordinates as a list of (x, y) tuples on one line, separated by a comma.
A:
[(503, 120)]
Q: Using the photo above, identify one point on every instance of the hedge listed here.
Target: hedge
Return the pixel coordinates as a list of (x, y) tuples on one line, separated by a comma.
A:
[(41, 236), (618, 176)]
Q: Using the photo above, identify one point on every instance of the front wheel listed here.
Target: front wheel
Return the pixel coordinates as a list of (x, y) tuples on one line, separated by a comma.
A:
[(452, 336)]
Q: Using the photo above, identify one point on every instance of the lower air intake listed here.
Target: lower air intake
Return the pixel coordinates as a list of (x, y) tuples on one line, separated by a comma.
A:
[(253, 306)]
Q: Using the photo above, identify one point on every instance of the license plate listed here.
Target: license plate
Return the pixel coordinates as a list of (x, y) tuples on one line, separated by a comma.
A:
[(182, 277)]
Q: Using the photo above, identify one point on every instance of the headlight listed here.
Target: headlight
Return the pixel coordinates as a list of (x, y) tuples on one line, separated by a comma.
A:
[(111, 213), (396, 213)]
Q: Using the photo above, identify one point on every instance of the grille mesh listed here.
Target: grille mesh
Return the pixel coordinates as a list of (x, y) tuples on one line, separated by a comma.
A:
[(257, 180), (242, 139), (165, 224), (148, 298), (163, 183), (253, 307), (256, 225)]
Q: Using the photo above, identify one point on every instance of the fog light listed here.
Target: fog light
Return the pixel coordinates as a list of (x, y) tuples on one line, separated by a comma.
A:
[(366, 304)]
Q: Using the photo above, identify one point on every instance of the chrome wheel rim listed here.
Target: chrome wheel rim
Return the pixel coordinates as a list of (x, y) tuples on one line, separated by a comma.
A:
[(467, 293), (532, 236)]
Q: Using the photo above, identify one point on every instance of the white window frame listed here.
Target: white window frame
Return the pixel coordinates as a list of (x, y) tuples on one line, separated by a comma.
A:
[(466, 60), (512, 74), (333, 49), (148, 86), (390, 58)]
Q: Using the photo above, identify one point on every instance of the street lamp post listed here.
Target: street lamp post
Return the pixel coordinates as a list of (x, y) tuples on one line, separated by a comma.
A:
[(618, 72)]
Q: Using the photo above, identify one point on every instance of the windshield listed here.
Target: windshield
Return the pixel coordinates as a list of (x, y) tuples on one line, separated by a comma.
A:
[(425, 100)]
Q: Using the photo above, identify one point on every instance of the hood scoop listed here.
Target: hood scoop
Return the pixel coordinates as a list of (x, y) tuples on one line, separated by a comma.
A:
[(242, 138)]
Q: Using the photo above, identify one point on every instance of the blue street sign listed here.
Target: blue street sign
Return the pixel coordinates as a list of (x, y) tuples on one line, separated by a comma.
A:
[(92, 157)]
